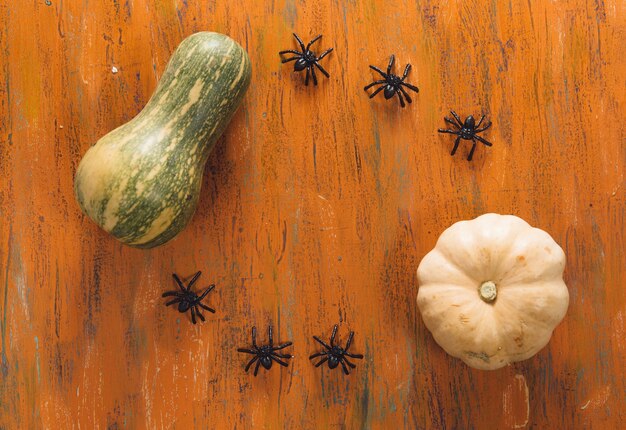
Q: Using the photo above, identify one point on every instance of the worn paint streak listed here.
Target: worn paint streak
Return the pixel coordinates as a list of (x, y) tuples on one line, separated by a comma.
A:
[(5, 306), (316, 207), (516, 403)]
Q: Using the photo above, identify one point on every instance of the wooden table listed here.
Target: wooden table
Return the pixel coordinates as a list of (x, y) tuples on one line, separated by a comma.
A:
[(317, 206)]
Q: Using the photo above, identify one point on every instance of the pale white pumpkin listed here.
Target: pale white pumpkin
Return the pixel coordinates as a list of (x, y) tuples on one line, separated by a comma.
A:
[(491, 291)]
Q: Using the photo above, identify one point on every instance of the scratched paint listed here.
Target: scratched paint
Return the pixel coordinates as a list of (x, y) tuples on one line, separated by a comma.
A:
[(316, 208)]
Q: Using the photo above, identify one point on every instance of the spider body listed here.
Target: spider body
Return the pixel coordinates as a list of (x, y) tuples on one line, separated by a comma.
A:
[(392, 84), (335, 354), (466, 130), (265, 355), (188, 300), (306, 59)]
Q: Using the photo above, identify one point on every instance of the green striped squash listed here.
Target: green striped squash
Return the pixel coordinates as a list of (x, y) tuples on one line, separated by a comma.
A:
[(141, 182)]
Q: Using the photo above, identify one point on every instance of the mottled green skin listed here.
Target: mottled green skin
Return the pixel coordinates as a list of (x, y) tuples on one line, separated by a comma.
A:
[(141, 182)]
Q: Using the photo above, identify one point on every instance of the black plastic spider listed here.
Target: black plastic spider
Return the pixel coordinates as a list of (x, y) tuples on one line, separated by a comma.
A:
[(335, 354), (392, 84), (306, 59), (187, 299), (466, 130), (264, 355)]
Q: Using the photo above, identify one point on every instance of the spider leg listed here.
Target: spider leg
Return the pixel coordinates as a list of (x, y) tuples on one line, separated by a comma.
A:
[(480, 121), (483, 129), (325, 53), (313, 75), (471, 154), (411, 87), (171, 302), (300, 42), (322, 361), (379, 71), (449, 121), (256, 369), (199, 313), (381, 81), (251, 362), (480, 139), (193, 315), (442, 130), (353, 355), (291, 51), (322, 70), (170, 293), (348, 362), (457, 118), (401, 99), (286, 60), (377, 91), (322, 342), (306, 80), (179, 282), (279, 361), (391, 60), (317, 354), (406, 71), (205, 307), (456, 145), (246, 350), (343, 364), (275, 354), (315, 39), (193, 280), (284, 345), (207, 291), (349, 342), (332, 336), (406, 95)]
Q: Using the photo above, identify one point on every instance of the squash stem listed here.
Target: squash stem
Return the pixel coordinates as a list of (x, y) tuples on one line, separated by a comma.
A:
[(488, 291)]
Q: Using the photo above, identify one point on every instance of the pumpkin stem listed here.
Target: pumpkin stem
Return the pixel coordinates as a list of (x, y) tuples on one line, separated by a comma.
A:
[(488, 291)]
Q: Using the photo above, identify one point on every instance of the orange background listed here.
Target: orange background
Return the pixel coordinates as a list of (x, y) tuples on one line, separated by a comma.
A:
[(316, 208)]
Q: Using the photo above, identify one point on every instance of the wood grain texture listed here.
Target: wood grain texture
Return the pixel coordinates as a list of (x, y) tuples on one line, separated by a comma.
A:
[(316, 208)]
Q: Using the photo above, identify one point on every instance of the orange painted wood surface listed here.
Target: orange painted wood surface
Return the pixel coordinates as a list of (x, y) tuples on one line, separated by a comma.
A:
[(316, 208)]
